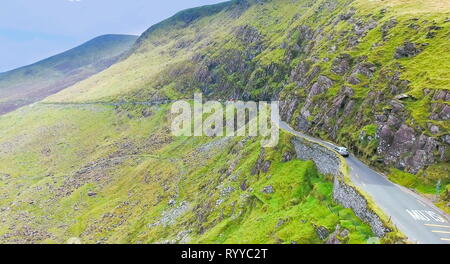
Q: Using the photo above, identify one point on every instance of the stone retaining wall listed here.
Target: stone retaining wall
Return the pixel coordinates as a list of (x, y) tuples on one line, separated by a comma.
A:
[(328, 162)]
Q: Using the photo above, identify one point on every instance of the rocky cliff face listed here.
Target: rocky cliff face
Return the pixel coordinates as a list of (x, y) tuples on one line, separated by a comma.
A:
[(366, 93), (343, 70), (369, 75), (353, 71)]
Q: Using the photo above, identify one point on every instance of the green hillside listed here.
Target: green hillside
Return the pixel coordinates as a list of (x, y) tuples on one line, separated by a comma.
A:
[(35, 82), (368, 74), (106, 174)]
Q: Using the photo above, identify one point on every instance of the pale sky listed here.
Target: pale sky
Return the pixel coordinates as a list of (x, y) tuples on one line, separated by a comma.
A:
[(31, 30)]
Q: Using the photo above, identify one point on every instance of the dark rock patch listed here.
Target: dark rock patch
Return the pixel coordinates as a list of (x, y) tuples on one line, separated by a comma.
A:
[(268, 190), (407, 50), (342, 64)]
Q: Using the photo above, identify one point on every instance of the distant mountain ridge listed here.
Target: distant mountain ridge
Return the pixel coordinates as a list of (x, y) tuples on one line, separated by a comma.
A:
[(34, 82)]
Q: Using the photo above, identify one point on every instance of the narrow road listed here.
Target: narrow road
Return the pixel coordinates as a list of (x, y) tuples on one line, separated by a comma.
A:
[(414, 216)]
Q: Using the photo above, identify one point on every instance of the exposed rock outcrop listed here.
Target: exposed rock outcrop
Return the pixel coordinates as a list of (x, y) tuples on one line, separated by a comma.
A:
[(339, 236), (386, 28), (342, 64), (268, 190), (262, 165), (405, 147)]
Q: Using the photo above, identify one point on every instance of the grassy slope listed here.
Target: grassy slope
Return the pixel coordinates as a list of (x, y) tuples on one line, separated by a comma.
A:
[(135, 167), (34, 82), (55, 155), (163, 65)]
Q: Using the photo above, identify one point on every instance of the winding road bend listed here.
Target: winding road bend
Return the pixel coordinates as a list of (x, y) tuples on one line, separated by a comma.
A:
[(414, 216)]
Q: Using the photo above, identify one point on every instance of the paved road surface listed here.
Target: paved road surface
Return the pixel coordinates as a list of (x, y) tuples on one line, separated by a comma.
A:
[(413, 215)]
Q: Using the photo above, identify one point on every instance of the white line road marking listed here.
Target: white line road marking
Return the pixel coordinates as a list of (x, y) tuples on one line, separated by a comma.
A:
[(425, 216), (443, 226), (445, 239), (441, 232)]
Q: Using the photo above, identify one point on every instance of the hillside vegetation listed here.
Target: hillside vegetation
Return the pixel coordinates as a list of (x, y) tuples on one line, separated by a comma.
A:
[(354, 72), (371, 75), (33, 83), (115, 175)]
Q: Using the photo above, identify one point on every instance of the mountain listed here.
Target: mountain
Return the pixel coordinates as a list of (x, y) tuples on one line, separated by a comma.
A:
[(32, 83), (88, 163), (327, 61)]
